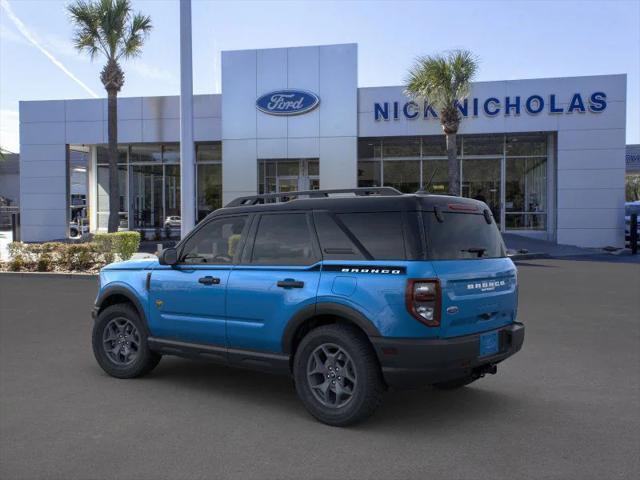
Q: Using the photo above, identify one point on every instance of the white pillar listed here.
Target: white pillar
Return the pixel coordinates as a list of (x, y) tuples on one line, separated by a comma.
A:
[(187, 147)]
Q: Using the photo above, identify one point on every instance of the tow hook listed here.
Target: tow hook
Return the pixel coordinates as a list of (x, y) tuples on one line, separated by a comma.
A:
[(489, 369)]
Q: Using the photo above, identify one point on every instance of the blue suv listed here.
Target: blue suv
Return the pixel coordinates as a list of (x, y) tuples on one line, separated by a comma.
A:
[(350, 292)]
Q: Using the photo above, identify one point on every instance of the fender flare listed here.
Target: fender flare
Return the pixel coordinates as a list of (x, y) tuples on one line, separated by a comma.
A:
[(326, 308), (125, 292)]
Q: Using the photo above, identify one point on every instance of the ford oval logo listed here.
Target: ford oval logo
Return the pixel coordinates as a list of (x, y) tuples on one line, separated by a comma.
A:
[(287, 102)]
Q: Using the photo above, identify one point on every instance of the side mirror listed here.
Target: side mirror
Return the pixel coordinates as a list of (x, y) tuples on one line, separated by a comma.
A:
[(168, 256)]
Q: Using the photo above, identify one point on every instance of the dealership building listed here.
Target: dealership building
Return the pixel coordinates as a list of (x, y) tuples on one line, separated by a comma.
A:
[(547, 155)]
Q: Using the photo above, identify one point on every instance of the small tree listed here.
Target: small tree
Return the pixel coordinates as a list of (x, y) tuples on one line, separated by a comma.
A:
[(110, 28), (444, 81)]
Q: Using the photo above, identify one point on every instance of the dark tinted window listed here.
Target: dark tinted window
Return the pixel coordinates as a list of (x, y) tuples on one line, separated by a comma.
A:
[(379, 233), (334, 242), (283, 240), (216, 243), (462, 236)]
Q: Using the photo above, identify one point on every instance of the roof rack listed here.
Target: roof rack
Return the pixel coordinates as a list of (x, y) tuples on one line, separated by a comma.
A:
[(273, 197)]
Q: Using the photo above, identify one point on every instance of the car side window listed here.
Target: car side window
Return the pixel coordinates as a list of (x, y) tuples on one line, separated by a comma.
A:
[(215, 243), (334, 241), (283, 239), (380, 233)]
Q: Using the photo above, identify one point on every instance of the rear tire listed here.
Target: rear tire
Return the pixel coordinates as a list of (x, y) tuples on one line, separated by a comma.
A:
[(119, 342), (455, 384), (337, 375)]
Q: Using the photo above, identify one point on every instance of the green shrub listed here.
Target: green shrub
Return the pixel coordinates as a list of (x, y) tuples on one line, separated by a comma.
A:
[(104, 242), (126, 244), (16, 263), (16, 249), (52, 256), (79, 256), (44, 263)]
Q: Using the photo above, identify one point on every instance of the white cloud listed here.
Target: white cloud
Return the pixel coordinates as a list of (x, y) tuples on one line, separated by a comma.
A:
[(36, 42), (9, 130), (8, 35), (151, 72)]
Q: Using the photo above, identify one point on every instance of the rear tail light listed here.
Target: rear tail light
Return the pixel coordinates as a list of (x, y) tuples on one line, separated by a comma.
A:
[(423, 301)]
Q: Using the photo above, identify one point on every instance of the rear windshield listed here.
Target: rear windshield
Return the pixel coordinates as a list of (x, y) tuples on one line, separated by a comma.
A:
[(462, 236)]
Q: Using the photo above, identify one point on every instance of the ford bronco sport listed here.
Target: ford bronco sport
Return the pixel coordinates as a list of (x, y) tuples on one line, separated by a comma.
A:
[(350, 295)]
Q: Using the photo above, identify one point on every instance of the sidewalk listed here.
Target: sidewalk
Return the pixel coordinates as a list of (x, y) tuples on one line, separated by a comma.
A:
[(523, 248), (544, 248)]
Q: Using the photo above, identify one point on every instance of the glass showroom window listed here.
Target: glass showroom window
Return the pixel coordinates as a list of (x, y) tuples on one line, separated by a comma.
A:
[(401, 163), (369, 162), (102, 183), (434, 164), (526, 182), (209, 178), (288, 175), (508, 172), (481, 180), (154, 187), (405, 163)]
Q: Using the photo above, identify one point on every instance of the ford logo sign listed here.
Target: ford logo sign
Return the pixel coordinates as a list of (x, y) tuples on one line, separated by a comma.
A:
[(287, 102)]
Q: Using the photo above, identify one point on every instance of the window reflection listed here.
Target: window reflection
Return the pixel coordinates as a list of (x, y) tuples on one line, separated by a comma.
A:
[(409, 163)]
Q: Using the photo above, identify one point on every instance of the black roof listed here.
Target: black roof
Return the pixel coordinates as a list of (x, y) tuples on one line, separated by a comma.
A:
[(367, 203)]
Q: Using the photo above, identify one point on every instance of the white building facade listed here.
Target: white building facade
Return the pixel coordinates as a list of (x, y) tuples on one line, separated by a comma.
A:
[(547, 155)]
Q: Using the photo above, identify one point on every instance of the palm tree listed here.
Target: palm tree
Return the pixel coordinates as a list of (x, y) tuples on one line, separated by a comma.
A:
[(444, 82), (110, 28)]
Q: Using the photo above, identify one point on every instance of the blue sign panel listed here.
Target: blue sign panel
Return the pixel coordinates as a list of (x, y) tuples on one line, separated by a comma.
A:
[(287, 102)]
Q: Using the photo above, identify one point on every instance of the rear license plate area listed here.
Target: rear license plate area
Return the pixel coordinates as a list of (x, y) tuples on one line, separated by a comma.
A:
[(489, 344)]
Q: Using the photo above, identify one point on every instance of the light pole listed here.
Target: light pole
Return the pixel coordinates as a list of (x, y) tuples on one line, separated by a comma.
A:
[(187, 147)]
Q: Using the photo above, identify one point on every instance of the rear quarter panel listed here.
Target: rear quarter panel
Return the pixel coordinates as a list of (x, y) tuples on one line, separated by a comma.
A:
[(379, 297)]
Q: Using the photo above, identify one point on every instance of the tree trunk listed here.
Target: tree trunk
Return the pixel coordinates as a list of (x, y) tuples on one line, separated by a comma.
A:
[(114, 187), (453, 165)]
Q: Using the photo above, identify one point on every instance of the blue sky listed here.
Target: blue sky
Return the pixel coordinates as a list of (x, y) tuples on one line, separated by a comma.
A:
[(512, 39)]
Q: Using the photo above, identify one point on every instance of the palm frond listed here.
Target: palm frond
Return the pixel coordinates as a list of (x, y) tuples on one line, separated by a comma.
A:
[(108, 27), (139, 28), (443, 79), (85, 16)]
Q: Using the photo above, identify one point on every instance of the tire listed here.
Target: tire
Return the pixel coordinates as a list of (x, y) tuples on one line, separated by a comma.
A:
[(455, 383), (317, 362), (129, 356)]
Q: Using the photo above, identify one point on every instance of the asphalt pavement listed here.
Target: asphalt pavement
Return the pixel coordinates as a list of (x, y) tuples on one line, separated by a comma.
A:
[(566, 407)]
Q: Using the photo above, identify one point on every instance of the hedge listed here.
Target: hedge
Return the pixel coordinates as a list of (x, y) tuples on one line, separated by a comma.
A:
[(55, 256), (124, 244)]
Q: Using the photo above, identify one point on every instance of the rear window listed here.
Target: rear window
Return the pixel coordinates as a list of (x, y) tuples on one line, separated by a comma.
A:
[(462, 236)]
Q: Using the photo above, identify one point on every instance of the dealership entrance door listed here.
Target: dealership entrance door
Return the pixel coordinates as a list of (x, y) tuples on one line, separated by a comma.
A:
[(288, 175)]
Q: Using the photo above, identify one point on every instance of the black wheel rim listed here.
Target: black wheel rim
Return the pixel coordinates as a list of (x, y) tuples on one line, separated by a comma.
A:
[(121, 341), (331, 375)]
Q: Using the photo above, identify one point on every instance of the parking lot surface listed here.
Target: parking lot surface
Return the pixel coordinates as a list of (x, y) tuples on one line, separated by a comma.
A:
[(566, 407)]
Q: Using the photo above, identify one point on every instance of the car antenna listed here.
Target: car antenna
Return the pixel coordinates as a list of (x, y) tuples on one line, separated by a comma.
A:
[(426, 188)]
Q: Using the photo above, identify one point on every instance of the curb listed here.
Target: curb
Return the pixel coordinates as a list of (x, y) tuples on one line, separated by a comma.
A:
[(76, 276)]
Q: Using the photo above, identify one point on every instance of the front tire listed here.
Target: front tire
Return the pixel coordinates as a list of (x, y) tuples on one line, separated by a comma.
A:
[(337, 375), (119, 342)]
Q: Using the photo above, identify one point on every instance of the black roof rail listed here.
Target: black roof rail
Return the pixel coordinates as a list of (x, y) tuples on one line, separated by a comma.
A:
[(272, 197)]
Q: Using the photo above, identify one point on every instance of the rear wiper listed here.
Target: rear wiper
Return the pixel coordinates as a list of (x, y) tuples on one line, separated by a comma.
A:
[(478, 250)]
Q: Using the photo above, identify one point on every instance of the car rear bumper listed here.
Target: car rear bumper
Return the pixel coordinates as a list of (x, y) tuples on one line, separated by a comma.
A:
[(410, 362)]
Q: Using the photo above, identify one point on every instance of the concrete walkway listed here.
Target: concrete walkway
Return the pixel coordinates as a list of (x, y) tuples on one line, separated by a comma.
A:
[(517, 243)]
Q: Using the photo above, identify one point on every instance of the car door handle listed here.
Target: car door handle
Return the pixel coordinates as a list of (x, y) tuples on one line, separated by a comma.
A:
[(208, 280), (290, 283)]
